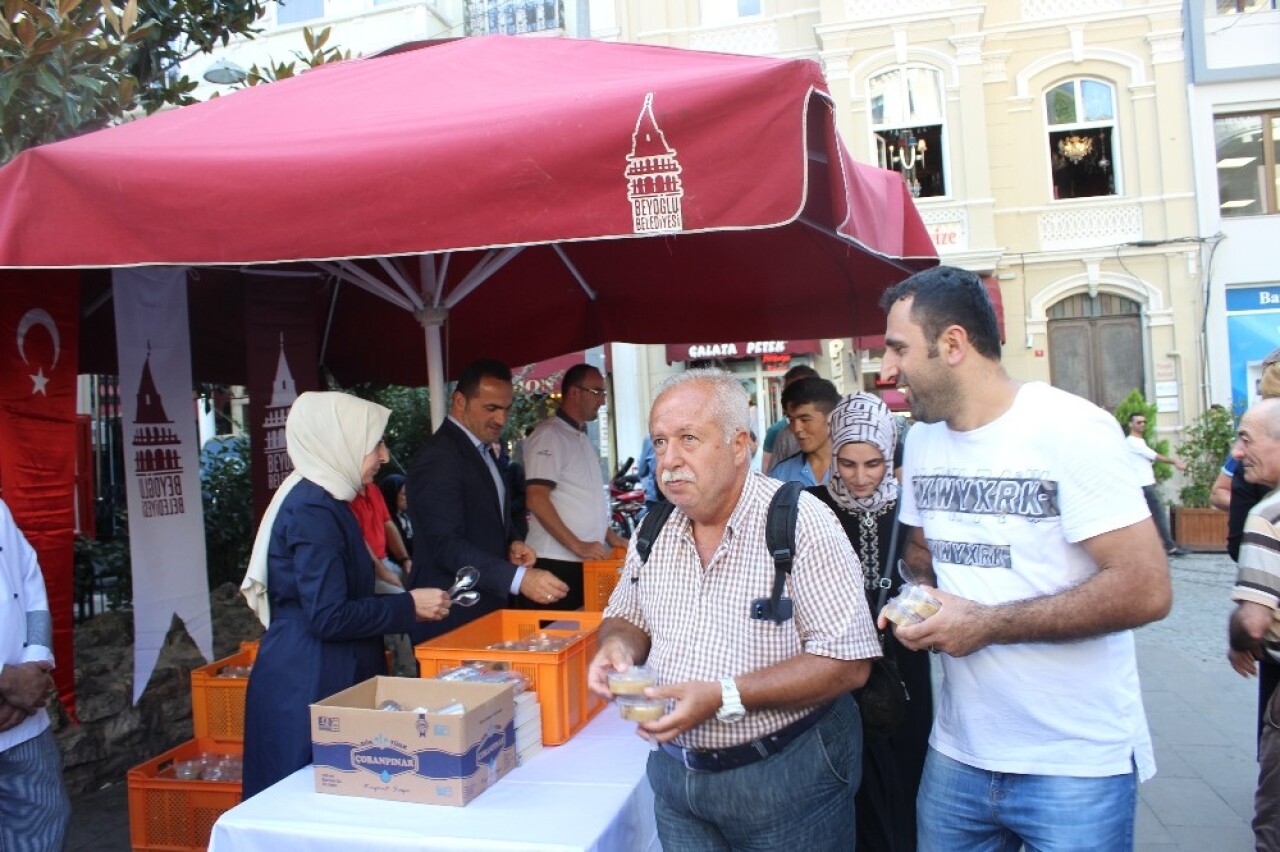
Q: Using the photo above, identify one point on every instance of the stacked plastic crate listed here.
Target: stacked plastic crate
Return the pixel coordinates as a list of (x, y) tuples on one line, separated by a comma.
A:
[(175, 798)]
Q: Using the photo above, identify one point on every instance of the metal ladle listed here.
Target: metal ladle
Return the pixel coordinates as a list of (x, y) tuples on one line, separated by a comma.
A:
[(463, 592)]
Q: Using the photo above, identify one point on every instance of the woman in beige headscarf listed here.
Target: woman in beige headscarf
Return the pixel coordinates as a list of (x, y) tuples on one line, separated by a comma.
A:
[(310, 582)]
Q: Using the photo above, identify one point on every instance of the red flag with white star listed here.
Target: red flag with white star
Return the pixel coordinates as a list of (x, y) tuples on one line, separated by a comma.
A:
[(39, 330)]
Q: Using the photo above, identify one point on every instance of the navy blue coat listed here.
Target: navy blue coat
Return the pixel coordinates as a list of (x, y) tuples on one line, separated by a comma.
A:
[(325, 633), (457, 521)]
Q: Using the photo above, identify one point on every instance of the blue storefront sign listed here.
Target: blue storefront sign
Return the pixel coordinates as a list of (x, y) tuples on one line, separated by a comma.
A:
[(1253, 332)]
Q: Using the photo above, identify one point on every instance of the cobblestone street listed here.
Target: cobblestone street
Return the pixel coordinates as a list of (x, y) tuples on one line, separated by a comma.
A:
[(1202, 719)]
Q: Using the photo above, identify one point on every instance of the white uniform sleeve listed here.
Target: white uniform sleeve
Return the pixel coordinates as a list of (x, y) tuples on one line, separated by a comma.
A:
[(38, 644), (543, 455)]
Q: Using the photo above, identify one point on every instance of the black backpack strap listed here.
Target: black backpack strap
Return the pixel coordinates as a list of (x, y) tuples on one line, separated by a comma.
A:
[(650, 526), (780, 538)]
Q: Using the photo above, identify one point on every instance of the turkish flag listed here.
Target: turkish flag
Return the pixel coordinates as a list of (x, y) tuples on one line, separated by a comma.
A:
[(39, 327)]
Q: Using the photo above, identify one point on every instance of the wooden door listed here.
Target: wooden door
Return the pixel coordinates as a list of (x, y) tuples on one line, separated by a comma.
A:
[(1095, 348)]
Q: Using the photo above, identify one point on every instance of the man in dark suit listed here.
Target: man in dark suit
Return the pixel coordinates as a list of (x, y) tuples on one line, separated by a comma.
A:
[(460, 507)]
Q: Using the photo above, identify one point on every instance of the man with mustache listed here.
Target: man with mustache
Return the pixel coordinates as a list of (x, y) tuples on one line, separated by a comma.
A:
[(760, 745), (1029, 527)]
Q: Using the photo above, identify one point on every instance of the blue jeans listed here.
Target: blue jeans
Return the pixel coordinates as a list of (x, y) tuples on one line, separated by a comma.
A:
[(965, 808), (800, 798)]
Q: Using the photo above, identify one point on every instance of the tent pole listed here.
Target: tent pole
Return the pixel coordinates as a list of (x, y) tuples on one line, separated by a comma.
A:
[(435, 372), (432, 318)]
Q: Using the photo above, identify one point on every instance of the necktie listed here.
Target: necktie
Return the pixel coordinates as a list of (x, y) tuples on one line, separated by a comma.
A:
[(492, 464)]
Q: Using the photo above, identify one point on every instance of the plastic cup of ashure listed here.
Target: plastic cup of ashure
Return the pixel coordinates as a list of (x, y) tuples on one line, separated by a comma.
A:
[(635, 709), (631, 682), (912, 606)]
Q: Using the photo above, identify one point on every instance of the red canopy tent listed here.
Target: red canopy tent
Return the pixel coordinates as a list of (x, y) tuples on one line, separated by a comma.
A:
[(517, 197)]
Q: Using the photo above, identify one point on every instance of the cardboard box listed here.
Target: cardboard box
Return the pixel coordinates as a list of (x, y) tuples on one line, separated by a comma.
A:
[(433, 758)]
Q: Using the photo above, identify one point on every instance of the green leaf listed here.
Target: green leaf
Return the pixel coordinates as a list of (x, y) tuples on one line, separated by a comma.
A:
[(87, 82), (47, 82), (113, 18)]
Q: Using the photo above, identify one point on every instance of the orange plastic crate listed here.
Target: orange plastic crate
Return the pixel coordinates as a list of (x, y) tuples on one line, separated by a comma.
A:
[(558, 677), (174, 814), (217, 703), (598, 581)]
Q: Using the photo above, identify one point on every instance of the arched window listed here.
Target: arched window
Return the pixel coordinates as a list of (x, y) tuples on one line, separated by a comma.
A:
[(908, 121), (1081, 116)]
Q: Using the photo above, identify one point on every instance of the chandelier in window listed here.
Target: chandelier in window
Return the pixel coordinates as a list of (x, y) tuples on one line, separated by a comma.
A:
[(1075, 148), (907, 154)]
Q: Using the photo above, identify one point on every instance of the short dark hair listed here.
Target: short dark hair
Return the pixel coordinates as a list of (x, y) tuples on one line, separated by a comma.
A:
[(573, 376), (820, 392), (798, 372), (482, 368), (945, 296)]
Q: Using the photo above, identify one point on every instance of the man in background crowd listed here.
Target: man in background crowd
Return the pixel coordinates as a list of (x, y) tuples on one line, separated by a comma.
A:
[(808, 403), (778, 442), (1143, 456), (1253, 628), (565, 487)]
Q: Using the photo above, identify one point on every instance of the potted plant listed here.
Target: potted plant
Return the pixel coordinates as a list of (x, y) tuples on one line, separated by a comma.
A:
[(1207, 443)]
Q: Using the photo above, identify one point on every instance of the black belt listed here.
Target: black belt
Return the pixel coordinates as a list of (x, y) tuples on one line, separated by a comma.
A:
[(743, 755)]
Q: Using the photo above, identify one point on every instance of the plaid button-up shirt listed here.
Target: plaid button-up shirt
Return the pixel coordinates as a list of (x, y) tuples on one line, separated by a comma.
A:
[(699, 620)]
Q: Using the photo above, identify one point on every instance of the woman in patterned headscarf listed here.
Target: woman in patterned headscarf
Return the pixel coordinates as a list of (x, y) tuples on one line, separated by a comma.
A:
[(863, 493)]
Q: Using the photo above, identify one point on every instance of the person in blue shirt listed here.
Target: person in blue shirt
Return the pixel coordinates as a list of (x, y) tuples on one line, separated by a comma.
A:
[(808, 403), (647, 469)]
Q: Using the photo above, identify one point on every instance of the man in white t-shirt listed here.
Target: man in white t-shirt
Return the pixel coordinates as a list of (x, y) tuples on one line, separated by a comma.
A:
[(565, 488), (1030, 529), (1142, 456)]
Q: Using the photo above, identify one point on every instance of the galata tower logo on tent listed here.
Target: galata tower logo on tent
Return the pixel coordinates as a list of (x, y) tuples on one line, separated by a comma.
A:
[(653, 177)]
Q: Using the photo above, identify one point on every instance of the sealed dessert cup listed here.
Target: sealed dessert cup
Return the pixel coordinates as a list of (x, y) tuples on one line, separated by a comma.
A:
[(633, 681), (642, 709), (911, 606)]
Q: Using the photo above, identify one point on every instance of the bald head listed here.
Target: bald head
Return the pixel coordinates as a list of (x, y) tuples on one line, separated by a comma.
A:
[(1258, 446)]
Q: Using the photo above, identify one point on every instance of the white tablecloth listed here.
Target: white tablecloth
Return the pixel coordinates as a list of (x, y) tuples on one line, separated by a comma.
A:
[(589, 795)]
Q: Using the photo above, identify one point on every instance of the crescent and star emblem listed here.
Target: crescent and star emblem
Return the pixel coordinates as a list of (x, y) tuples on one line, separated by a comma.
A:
[(32, 318)]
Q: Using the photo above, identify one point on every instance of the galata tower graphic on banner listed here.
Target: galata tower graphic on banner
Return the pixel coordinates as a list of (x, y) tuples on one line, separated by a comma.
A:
[(653, 177), (157, 461), (284, 390)]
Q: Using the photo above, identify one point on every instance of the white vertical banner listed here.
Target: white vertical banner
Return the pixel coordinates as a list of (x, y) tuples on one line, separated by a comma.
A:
[(161, 463)]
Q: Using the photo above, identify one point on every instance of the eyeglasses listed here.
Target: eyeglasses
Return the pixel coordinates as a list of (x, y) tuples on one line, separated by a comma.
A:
[(597, 393)]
